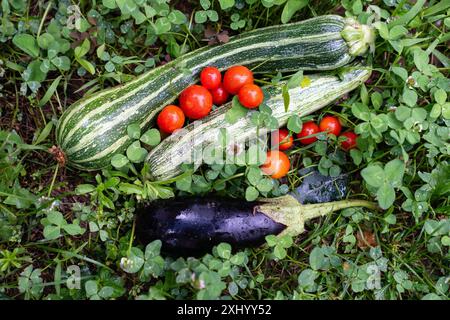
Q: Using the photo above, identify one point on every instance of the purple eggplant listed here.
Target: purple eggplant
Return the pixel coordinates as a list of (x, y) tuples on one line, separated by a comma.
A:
[(193, 225)]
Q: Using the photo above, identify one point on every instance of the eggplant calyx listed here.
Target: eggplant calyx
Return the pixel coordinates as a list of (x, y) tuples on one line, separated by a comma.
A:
[(288, 211)]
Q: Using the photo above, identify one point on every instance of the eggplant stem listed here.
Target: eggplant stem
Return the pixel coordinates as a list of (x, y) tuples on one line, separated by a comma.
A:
[(311, 211), (288, 211)]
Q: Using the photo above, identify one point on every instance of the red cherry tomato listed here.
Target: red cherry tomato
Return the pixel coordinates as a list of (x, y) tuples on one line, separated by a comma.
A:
[(350, 140), (277, 164), (170, 119), (331, 125), (236, 77), (219, 95), (282, 140), (308, 128), (210, 78), (196, 102), (250, 96)]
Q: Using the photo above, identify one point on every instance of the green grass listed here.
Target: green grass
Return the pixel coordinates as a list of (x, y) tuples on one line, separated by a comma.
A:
[(54, 219)]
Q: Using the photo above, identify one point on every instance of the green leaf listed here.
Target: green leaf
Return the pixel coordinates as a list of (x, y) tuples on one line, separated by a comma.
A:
[(151, 137), (421, 60), (295, 80), (431, 296), (33, 72), (177, 17), (265, 185), (110, 4), (87, 65), (306, 279), (81, 51), (162, 25), (286, 97), (138, 16), (206, 4), (135, 153), (279, 252), (409, 97), (436, 111), (290, 8), (53, 50), (62, 63), (226, 4), (356, 156), (84, 188), (126, 6), (150, 12), (73, 229), (134, 261), (440, 96), (44, 133), (373, 175), (361, 111), (56, 218), (134, 131), (52, 232), (200, 17), (162, 192), (184, 184), (394, 171), (49, 93), (419, 114), (397, 32), (212, 15), (357, 7), (390, 219), (295, 123), (364, 95), (401, 72), (27, 43), (254, 175), (91, 288), (409, 15), (251, 193), (286, 241), (316, 258), (255, 155), (385, 196), (402, 113), (382, 29), (224, 250), (271, 240), (445, 240), (153, 249), (236, 112), (119, 160), (129, 188), (446, 110), (45, 40), (106, 292)]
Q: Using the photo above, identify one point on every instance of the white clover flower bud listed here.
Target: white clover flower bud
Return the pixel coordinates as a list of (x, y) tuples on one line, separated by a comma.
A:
[(411, 82)]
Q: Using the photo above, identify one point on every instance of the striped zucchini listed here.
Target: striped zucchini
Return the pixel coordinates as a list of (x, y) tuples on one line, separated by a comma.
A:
[(93, 129), (166, 160)]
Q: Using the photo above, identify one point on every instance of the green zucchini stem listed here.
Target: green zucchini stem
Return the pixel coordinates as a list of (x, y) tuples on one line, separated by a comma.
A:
[(359, 37), (288, 211)]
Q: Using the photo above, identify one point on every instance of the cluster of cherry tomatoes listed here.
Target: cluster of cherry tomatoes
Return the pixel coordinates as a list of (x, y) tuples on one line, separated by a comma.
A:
[(277, 163), (196, 101)]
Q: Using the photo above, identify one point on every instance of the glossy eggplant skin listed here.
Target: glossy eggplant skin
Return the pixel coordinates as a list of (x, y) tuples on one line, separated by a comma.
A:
[(192, 226)]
